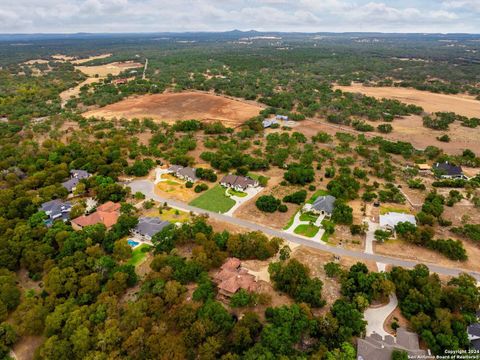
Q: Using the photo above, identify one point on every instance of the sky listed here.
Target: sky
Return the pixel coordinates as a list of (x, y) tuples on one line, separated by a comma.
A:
[(70, 16)]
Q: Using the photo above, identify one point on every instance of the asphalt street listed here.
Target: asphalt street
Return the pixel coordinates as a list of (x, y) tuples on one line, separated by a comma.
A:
[(146, 187)]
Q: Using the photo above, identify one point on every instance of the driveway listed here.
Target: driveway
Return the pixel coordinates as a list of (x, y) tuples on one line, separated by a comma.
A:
[(370, 236), (376, 317), (296, 222), (146, 187), (239, 201)]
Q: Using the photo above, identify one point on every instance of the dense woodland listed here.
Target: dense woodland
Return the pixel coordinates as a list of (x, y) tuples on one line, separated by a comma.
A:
[(92, 305)]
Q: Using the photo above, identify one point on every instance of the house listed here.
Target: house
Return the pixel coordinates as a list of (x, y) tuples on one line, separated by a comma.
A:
[(120, 81), (446, 170), (106, 214), (237, 182), (75, 177), (473, 332), (149, 226), (184, 173), (389, 220), (375, 347), (424, 168), (268, 122), (56, 210), (323, 205), (232, 278), (281, 117)]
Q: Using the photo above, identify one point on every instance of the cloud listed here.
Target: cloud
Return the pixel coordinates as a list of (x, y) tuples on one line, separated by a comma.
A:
[(219, 15)]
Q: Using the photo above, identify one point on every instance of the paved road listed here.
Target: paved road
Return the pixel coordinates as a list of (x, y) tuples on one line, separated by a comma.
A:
[(146, 187)]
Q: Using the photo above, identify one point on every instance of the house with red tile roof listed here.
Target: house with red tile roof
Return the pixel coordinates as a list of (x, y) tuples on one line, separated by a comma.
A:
[(106, 214), (232, 278)]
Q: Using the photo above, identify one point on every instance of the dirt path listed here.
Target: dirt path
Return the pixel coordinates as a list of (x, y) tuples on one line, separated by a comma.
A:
[(75, 91)]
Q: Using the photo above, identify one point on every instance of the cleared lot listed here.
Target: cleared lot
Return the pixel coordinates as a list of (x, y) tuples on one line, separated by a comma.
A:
[(180, 106)]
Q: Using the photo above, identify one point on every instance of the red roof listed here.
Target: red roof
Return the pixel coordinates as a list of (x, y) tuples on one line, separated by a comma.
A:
[(106, 214), (231, 278)]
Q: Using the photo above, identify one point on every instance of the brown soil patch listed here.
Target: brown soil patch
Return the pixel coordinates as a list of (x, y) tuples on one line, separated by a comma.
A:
[(397, 316), (26, 283), (177, 191), (25, 348), (35, 61), (82, 61), (114, 68), (180, 106), (461, 104), (411, 129), (75, 91), (402, 249), (62, 57)]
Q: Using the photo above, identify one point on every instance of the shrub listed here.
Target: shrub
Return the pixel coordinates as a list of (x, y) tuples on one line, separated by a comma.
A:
[(453, 249), (283, 208), (385, 128), (312, 187), (267, 203), (444, 138), (332, 269), (188, 184), (382, 235), (342, 213), (299, 174), (297, 197), (200, 187)]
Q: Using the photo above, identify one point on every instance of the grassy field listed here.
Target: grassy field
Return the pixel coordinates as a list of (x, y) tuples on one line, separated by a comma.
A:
[(172, 215), (306, 230), (386, 209), (237, 193), (317, 193), (138, 254), (214, 200), (308, 217)]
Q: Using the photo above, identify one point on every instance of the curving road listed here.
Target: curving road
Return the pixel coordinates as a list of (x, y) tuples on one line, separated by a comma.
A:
[(147, 187)]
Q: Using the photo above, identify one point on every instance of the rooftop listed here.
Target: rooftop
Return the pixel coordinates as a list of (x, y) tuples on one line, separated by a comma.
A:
[(106, 214), (324, 203), (149, 226), (448, 169), (391, 219)]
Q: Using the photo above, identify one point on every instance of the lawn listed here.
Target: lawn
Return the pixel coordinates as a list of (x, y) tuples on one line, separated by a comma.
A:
[(386, 209), (172, 215), (306, 216), (317, 193), (214, 200), (306, 230), (138, 254), (234, 192)]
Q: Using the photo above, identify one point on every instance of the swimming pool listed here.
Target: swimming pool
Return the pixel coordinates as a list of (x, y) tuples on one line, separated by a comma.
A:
[(132, 243)]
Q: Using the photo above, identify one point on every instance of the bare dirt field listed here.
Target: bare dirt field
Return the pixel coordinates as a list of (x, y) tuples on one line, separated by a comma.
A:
[(180, 106), (82, 61), (175, 189), (461, 104), (114, 68), (409, 129), (402, 249)]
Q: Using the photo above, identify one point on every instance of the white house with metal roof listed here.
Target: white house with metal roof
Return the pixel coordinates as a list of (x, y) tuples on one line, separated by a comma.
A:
[(389, 220)]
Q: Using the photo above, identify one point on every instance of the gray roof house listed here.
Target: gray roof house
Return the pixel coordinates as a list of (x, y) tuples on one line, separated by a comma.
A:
[(237, 182), (375, 347), (184, 173), (75, 177), (323, 205), (56, 210), (79, 174), (473, 332), (446, 170), (149, 226)]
